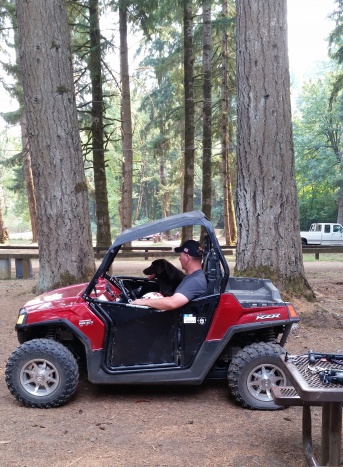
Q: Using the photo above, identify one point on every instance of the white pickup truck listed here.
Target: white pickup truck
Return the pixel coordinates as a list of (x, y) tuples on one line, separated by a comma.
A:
[(323, 233)]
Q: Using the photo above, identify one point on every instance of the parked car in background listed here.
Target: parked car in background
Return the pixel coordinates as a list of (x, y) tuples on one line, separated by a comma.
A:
[(323, 233), (147, 237)]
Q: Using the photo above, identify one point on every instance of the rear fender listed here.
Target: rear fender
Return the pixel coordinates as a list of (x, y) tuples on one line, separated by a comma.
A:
[(231, 313)]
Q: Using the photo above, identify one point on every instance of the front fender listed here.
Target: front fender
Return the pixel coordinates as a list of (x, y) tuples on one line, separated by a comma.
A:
[(31, 330), (79, 318)]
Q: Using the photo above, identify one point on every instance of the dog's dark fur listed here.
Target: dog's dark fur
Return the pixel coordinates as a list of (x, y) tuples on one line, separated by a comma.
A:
[(167, 275)]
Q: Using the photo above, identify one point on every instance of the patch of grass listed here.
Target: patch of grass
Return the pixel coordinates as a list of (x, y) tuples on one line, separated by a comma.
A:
[(323, 257)]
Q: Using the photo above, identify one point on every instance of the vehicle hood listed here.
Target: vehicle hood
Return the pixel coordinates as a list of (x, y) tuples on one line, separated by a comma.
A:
[(59, 298)]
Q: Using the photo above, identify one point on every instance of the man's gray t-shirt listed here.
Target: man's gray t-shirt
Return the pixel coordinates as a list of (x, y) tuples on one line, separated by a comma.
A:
[(194, 285)]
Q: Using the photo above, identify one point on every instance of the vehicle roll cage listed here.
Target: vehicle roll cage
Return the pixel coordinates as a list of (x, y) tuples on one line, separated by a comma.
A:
[(161, 225)]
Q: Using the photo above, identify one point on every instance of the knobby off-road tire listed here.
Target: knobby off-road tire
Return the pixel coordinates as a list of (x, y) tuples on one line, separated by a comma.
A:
[(42, 373), (252, 373)]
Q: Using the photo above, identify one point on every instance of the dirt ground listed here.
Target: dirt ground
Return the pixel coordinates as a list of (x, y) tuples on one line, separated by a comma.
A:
[(164, 426)]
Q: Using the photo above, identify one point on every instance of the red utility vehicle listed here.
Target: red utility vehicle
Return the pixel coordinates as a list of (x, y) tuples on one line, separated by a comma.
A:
[(236, 331)]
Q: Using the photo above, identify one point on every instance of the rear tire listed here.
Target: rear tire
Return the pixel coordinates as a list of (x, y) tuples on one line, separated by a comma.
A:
[(252, 373), (42, 373)]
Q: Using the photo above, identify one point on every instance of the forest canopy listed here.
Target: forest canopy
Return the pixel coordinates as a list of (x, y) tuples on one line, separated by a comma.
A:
[(156, 47)]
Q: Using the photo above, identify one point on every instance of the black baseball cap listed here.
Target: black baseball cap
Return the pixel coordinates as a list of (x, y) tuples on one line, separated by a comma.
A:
[(191, 248)]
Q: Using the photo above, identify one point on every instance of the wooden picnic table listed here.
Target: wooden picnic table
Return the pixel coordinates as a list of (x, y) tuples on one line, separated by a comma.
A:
[(310, 390)]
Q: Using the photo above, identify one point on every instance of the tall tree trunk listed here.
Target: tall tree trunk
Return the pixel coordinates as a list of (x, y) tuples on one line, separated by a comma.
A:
[(188, 191), (65, 241), (163, 150), (207, 111), (230, 194), (103, 233), (4, 237), (340, 191), (340, 206), (30, 189), (127, 167), (140, 191), (230, 229), (269, 243), (165, 198)]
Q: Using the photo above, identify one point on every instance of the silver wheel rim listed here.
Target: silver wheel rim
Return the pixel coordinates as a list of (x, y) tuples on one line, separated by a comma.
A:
[(262, 378), (39, 377)]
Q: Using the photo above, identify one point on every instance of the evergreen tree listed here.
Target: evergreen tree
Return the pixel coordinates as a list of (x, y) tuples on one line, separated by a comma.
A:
[(230, 228), (19, 116), (336, 52), (317, 139), (269, 243), (126, 206), (103, 237), (207, 110), (189, 135), (66, 251)]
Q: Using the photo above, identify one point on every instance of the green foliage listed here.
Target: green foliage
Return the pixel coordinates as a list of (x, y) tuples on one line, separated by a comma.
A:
[(317, 140), (13, 191), (157, 103), (336, 36), (162, 109)]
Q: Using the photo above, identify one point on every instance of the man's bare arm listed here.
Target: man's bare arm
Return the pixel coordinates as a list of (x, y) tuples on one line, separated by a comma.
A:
[(164, 303)]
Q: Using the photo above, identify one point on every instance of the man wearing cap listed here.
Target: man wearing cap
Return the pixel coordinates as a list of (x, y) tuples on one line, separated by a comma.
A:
[(192, 286)]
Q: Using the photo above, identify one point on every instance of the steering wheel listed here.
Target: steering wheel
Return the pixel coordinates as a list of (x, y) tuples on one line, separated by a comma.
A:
[(126, 290), (110, 291)]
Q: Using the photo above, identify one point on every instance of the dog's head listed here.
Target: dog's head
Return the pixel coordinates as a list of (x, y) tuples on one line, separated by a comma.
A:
[(156, 267)]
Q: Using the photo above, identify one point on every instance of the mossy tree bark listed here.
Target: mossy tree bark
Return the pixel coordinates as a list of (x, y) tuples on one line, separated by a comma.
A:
[(65, 241), (269, 243)]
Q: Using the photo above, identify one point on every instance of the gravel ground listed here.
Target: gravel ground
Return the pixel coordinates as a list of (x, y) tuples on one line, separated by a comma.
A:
[(164, 426)]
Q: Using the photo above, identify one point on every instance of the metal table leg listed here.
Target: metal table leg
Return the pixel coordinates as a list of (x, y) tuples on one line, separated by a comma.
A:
[(307, 437), (335, 433), (325, 451), (331, 433)]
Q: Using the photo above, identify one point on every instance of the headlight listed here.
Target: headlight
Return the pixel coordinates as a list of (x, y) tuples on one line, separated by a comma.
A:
[(22, 316)]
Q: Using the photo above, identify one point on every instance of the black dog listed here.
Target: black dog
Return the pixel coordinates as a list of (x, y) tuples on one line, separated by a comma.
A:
[(166, 274)]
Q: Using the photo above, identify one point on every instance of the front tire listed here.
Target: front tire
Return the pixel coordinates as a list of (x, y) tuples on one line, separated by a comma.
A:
[(42, 373), (252, 373)]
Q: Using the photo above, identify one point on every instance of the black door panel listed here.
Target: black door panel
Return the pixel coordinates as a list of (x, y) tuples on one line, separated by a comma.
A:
[(144, 338), (195, 320), (140, 336)]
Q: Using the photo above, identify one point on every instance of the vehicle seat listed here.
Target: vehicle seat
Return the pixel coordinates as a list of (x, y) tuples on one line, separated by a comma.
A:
[(211, 268)]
